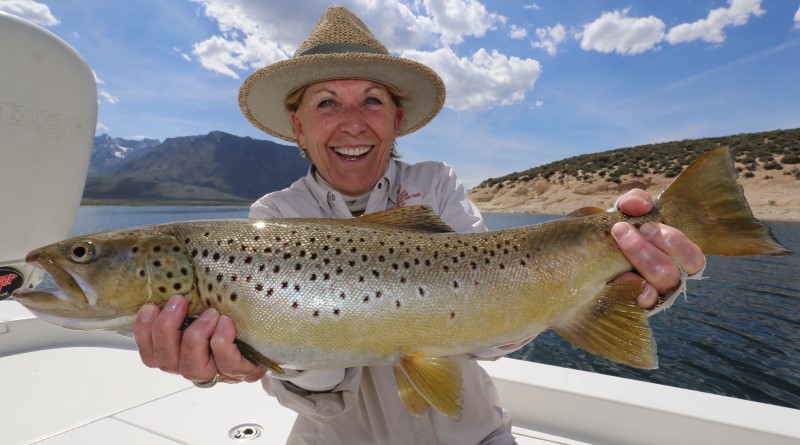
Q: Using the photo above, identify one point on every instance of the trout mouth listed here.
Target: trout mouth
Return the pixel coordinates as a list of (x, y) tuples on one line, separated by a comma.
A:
[(61, 292), (60, 299)]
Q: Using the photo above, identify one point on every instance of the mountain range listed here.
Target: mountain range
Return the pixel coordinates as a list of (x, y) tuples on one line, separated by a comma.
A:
[(213, 168)]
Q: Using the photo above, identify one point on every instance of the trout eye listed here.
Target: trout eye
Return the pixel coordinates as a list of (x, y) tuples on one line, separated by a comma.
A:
[(81, 252)]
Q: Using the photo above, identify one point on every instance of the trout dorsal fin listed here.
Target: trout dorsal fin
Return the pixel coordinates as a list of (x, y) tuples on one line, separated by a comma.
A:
[(418, 217), (424, 381), (585, 211), (615, 327)]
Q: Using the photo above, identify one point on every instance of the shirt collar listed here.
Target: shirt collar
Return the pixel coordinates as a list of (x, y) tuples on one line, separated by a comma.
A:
[(332, 202)]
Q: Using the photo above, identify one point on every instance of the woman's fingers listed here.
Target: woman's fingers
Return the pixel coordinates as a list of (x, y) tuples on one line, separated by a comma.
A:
[(649, 296), (143, 333), (227, 356), (206, 347), (196, 362), (658, 253), (675, 244)]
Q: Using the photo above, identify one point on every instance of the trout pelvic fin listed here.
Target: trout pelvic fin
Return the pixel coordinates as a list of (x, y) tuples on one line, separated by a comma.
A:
[(707, 204), (419, 218), (424, 381), (254, 356), (615, 327)]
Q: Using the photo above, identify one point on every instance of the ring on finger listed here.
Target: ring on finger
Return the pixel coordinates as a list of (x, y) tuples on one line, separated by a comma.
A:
[(209, 383)]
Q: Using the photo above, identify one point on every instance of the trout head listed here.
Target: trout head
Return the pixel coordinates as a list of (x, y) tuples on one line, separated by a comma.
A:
[(103, 279)]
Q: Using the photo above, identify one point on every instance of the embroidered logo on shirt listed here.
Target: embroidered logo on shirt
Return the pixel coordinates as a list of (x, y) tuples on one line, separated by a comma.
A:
[(403, 196)]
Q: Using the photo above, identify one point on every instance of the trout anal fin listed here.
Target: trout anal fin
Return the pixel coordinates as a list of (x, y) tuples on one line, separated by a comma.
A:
[(424, 381), (254, 356), (615, 327)]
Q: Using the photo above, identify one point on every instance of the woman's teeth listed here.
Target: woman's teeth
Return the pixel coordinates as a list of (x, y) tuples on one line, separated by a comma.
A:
[(351, 152)]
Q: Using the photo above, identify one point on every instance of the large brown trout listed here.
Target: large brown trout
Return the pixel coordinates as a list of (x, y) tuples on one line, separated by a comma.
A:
[(396, 287)]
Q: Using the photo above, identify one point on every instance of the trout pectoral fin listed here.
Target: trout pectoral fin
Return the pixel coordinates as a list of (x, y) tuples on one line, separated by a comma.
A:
[(615, 327), (434, 381), (254, 356)]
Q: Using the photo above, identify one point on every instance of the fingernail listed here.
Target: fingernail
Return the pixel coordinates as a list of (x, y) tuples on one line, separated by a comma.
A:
[(648, 297), (224, 323), (173, 303), (620, 231), (147, 313), (208, 314), (649, 230)]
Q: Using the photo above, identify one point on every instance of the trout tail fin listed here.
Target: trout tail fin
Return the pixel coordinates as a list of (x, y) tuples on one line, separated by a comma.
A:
[(707, 204)]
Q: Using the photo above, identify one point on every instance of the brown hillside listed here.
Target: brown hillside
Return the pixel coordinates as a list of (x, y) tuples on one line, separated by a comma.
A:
[(769, 173)]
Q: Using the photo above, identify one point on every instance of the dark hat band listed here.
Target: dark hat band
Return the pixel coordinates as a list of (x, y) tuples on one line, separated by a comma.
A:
[(337, 48)]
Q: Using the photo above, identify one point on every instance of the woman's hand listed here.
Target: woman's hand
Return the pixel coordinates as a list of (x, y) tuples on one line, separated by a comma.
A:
[(206, 347), (656, 250)]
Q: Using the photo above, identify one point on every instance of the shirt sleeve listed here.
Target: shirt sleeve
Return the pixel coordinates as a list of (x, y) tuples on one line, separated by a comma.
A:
[(264, 208), (317, 406), (455, 207)]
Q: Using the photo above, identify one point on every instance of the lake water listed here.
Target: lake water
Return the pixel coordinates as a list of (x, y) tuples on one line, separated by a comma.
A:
[(737, 334)]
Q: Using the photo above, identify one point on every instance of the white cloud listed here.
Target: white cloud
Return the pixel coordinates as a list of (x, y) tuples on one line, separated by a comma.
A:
[(532, 6), (797, 19), (30, 10), (183, 55), (102, 93), (455, 19), (710, 29), (483, 80), (219, 55), (517, 32), (255, 33), (97, 79), (550, 38), (245, 43), (108, 97), (100, 128), (615, 32)]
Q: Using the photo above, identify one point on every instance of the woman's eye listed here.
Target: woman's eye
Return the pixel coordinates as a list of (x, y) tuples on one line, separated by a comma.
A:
[(373, 101), (326, 103)]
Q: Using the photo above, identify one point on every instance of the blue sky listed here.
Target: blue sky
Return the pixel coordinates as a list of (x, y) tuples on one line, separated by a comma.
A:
[(529, 82)]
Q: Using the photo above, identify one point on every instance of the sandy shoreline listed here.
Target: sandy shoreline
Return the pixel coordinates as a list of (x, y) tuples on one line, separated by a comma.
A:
[(772, 196)]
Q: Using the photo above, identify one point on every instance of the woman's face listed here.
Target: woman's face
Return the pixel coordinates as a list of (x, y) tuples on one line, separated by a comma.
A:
[(348, 128)]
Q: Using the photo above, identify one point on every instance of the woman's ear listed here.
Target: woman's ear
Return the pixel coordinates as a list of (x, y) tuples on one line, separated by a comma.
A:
[(297, 127), (398, 118)]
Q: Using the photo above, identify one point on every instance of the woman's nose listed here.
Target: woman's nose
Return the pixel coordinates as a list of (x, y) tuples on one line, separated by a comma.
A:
[(352, 121)]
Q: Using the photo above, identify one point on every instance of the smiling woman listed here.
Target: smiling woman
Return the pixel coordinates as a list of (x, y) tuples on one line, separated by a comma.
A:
[(348, 128)]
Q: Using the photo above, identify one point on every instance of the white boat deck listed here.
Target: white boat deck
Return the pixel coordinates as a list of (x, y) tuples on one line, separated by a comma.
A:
[(65, 387)]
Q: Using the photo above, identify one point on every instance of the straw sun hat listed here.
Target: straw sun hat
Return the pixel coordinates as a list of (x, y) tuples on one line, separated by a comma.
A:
[(339, 46)]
